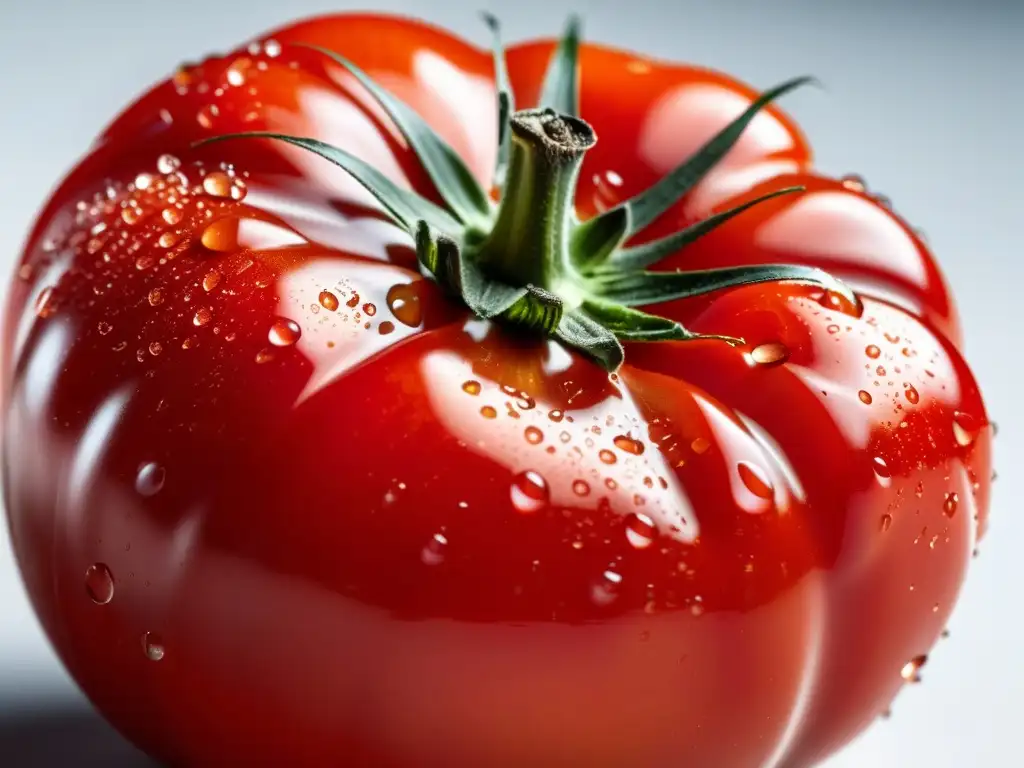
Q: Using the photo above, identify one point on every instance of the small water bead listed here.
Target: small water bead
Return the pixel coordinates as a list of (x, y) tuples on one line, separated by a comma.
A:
[(881, 470), (150, 478), (202, 317), (769, 354), (872, 351), (153, 646), (640, 530), (167, 240), (353, 301), (628, 444), (167, 164), (964, 429), (217, 184), (237, 71), (238, 190), (833, 329), (155, 348), (700, 445), (911, 671), (272, 48), (221, 235), (610, 484), (533, 436), (488, 412), (170, 215), (581, 488), (284, 332), (556, 415), (529, 492), (99, 583), (328, 301), (755, 480), (264, 356), (404, 303), (912, 395), (865, 397), (854, 183), (210, 280), (143, 181), (155, 297), (471, 387), (370, 309), (886, 522), (46, 303), (207, 116), (605, 590), (880, 370), (104, 327), (434, 552), (949, 506), (607, 456), (130, 215)]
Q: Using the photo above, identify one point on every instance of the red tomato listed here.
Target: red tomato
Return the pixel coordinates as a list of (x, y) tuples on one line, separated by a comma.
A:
[(279, 500)]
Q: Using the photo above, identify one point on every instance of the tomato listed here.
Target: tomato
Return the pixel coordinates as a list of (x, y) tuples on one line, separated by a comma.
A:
[(281, 497)]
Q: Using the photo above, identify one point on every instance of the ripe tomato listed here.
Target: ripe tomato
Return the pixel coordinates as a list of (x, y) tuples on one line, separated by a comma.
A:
[(279, 498)]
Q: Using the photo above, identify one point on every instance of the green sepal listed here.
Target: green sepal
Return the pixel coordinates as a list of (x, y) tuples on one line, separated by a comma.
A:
[(405, 207), (633, 289), (633, 325), (580, 331), (506, 100), (454, 182), (658, 198), (647, 254), (595, 241), (560, 88)]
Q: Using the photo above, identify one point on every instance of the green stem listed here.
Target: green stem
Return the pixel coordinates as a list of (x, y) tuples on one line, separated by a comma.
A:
[(529, 244)]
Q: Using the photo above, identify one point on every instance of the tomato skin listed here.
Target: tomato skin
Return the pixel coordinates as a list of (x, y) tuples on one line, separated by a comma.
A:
[(345, 557)]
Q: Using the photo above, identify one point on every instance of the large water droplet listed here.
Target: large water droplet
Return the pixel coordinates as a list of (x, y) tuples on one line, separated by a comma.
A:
[(99, 583), (328, 301), (221, 235), (471, 387), (434, 552), (769, 354), (167, 164), (202, 317), (607, 456), (911, 671), (210, 280), (865, 397), (882, 471), (488, 412), (640, 530), (529, 492), (628, 444), (153, 646), (150, 479), (950, 504), (533, 435), (872, 351), (755, 480), (284, 332), (964, 429), (912, 394), (605, 590), (404, 302)]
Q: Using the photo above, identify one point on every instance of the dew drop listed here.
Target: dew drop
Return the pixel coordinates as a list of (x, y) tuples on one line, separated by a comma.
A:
[(264, 356), (166, 164), (628, 444), (912, 395), (237, 71), (533, 435), (202, 317), (153, 646), (700, 445), (211, 280), (150, 479), (854, 183), (353, 301), (104, 327), (640, 530), (370, 309), (872, 351), (911, 671), (964, 429), (950, 504), (130, 215), (529, 492), (769, 354), (607, 456), (167, 240), (581, 488), (886, 522), (328, 301), (556, 415), (207, 116), (143, 181), (434, 552), (156, 298), (170, 215), (755, 481), (488, 412), (46, 303), (865, 397), (605, 590), (919, 489), (881, 470), (221, 235), (99, 583), (155, 348), (471, 387), (272, 48), (404, 302), (217, 184), (284, 332)]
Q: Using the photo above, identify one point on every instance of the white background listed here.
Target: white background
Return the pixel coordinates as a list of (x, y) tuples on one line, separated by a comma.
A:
[(923, 98)]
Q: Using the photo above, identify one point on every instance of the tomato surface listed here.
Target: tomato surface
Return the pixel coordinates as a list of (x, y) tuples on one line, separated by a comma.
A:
[(278, 500)]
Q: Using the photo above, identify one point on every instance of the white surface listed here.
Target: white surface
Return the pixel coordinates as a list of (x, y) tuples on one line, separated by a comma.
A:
[(921, 98)]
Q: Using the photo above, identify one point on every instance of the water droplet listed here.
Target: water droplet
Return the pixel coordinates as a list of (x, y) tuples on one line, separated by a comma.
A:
[(155, 348), (886, 522), (964, 429), (872, 351), (353, 301), (865, 397), (202, 317), (912, 395), (156, 298), (404, 303), (284, 332), (328, 301), (854, 183), (640, 530), (167, 240), (434, 552), (264, 356), (237, 71), (142, 181), (769, 354), (272, 48), (471, 387), (607, 456), (755, 480), (581, 488), (153, 646), (99, 583), (881, 469), (833, 329), (46, 303), (170, 215), (606, 589), (221, 235), (911, 670), (533, 435), (556, 415), (529, 492), (150, 479), (700, 445), (217, 184), (207, 116), (370, 309), (628, 444), (104, 327), (166, 164), (488, 412), (238, 190), (210, 280), (950, 504)]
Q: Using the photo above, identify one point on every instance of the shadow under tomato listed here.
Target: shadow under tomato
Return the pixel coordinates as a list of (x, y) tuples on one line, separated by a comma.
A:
[(64, 736)]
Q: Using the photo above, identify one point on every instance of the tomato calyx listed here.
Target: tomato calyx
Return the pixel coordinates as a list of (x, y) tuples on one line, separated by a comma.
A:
[(527, 260)]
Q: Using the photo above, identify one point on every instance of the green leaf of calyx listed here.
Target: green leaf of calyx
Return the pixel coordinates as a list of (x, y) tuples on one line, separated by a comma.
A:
[(506, 100), (560, 89), (658, 198), (633, 325), (595, 240), (637, 288), (454, 181), (577, 329), (647, 254), (405, 207)]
